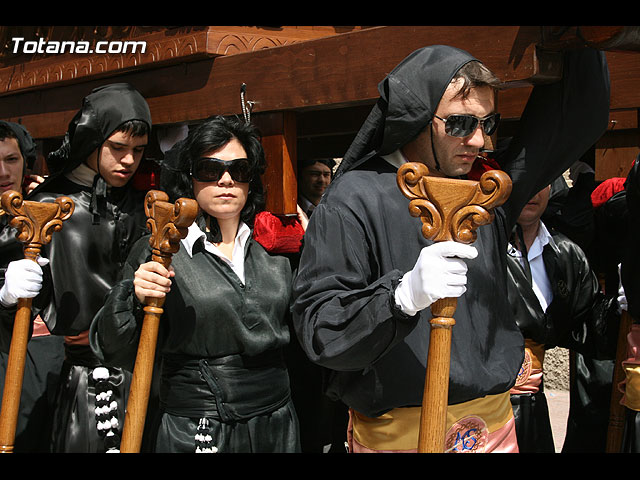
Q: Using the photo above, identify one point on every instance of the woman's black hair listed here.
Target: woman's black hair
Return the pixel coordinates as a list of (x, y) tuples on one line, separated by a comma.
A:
[(213, 134)]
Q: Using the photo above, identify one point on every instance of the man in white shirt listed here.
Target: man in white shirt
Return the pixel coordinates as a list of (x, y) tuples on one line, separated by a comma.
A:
[(557, 301)]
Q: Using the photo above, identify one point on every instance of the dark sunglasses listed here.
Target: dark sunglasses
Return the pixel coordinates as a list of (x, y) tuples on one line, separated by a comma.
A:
[(207, 169), (459, 125)]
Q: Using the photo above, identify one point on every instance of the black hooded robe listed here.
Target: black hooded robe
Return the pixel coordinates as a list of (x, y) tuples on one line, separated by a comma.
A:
[(85, 261), (361, 240)]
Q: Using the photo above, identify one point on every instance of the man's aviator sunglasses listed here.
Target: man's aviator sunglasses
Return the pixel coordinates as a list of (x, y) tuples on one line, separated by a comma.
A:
[(460, 125), (208, 169)]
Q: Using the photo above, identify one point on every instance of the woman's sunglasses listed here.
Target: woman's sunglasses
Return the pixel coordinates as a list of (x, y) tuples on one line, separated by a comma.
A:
[(459, 125), (207, 169)]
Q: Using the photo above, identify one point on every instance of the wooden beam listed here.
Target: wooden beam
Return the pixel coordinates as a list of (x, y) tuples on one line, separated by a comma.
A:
[(279, 143), (324, 73)]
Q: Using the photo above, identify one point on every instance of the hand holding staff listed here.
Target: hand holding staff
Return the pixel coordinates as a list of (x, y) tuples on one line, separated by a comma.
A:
[(168, 224), (450, 209), (35, 223)]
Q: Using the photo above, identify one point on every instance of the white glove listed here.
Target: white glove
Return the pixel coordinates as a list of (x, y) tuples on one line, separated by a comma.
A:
[(439, 273), (23, 279)]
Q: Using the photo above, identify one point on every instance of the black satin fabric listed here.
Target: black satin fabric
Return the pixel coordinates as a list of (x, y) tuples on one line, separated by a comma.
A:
[(589, 405), (533, 426), (246, 400), (580, 317), (86, 258), (74, 422)]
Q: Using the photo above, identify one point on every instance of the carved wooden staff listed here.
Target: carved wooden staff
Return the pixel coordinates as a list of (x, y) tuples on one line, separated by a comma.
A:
[(168, 224), (450, 209), (35, 223)]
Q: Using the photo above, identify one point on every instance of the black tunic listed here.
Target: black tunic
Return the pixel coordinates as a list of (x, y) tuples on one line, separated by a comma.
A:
[(221, 346)]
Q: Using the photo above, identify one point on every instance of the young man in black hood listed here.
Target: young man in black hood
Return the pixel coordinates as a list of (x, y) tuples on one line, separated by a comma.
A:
[(101, 152), (367, 274)]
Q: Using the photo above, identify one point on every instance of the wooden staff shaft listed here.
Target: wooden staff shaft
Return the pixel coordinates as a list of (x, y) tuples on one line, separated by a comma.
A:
[(433, 417), (138, 401), (16, 364), (14, 375)]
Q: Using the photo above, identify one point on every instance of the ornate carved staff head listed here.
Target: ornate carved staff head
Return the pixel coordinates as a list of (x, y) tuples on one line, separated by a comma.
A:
[(35, 221), (452, 209), (168, 223)]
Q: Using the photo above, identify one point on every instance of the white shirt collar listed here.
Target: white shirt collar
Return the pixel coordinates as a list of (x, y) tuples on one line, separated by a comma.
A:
[(397, 159), (82, 175), (539, 242), (237, 264)]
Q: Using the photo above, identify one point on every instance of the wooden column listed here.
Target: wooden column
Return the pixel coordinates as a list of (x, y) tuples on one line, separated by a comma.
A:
[(279, 139)]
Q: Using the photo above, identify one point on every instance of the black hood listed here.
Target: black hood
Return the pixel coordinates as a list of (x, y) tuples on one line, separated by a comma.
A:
[(102, 112), (25, 142), (409, 96)]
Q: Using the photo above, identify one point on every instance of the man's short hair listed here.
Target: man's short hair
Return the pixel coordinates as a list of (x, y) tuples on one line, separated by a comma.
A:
[(6, 132), (475, 74)]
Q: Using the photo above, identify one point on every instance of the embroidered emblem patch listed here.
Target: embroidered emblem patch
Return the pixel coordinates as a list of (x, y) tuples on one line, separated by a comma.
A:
[(525, 370), (468, 435)]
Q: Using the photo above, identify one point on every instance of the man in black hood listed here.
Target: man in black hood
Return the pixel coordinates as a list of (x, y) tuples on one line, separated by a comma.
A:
[(367, 275), (101, 152), (45, 352)]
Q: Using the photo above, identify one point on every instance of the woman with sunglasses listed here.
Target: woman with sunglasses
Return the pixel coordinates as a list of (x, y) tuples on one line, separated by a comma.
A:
[(223, 384)]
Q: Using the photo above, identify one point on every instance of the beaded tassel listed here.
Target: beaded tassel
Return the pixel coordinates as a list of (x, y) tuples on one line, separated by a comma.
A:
[(203, 438), (106, 410)]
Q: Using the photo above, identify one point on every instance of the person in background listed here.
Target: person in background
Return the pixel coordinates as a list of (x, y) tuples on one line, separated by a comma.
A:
[(314, 176), (556, 301)]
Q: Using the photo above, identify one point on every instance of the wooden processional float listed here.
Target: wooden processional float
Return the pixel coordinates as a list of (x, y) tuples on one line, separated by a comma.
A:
[(450, 209), (168, 224), (35, 223)]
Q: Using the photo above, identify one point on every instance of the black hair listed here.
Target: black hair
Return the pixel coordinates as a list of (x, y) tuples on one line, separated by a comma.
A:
[(135, 128), (213, 134), (6, 132)]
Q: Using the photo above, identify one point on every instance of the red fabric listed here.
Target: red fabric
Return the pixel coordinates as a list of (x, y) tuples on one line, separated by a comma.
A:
[(481, 165), (606, 190), (278, 234), (147, 177)]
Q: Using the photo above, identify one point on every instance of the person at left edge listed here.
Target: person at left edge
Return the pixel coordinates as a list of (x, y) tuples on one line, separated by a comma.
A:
[(45, 352), (101, 152)]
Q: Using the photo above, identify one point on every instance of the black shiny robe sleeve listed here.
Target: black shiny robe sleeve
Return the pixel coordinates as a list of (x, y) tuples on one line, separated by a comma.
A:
[(361, 240)]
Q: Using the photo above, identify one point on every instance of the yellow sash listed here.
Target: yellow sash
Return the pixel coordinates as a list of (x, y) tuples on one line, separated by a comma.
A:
[(398, 429), (632, 387)]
